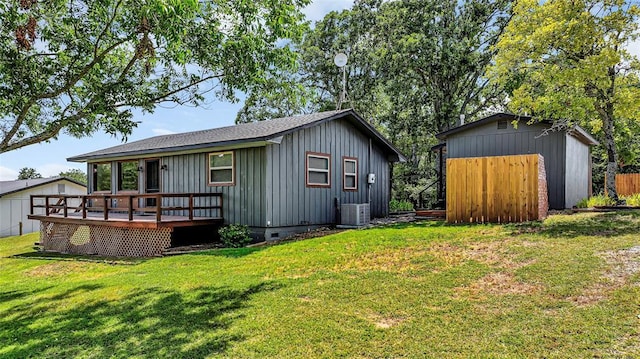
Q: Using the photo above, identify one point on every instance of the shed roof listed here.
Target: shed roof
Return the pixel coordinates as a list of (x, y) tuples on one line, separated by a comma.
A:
[(269, 130), (8, 187), (576, 131)]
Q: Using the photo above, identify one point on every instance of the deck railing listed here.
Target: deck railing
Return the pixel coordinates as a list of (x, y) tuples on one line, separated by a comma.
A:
[(104, 203)]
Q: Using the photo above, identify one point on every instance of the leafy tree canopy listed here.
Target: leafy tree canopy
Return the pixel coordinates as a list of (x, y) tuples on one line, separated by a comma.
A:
[(74, 174), (566, 60), (28, 173), (80, 66), (414, 67)]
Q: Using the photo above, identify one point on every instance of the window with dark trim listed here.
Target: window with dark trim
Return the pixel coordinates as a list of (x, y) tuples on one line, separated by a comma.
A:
[(101, 177), (222, 169), (318, 169), (349, 174), (128, 176)]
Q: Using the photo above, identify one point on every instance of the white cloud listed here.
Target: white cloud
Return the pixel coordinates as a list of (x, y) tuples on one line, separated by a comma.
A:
[(162, 131), (319, 8), (7, 174)]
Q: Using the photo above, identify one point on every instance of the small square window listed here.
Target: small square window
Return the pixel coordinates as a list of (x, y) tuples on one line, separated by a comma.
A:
[(318, 169), (221, 169)]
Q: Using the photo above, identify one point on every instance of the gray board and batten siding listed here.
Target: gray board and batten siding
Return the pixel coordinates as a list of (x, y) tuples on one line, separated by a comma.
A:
[(566, 155), (291, 203), (270, 193)]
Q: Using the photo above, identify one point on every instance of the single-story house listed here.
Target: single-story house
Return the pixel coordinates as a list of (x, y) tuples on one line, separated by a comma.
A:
[(278, 176), (567, 155), (15, 201)]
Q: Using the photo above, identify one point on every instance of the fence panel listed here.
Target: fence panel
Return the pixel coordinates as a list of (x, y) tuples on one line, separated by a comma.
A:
[(627, 184), (496, 189)]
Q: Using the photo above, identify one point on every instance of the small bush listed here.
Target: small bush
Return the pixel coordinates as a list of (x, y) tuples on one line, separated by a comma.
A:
[(600, 200), (398, 206), (583, 203), (234, 235), (633, 200)]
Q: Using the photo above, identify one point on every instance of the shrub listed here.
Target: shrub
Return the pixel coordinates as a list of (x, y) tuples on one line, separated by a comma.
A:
[(397, 206), (633, 200), (600, 200), (583, 203), (234, 235)]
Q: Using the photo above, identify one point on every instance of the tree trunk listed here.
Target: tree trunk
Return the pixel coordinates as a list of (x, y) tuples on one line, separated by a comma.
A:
[(612, 157)]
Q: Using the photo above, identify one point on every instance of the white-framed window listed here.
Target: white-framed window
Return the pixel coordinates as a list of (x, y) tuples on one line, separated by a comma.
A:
[(350, 173), (318, 168), (222, 169)]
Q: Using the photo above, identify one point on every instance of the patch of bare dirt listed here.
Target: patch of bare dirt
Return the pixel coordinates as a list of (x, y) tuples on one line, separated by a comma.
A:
[(497, 283), (495, 254), (55, 269), (622, 265), (382, 322)]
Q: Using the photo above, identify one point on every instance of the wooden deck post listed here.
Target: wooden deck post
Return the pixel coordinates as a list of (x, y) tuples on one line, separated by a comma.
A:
[(130, 207), (64, 206), (105, 209), (158, 208)]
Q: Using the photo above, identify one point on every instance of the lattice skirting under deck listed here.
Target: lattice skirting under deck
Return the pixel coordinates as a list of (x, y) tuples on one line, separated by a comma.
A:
[(104, 240)]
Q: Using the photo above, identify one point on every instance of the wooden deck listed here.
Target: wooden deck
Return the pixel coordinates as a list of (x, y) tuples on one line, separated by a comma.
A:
[(129, 210)]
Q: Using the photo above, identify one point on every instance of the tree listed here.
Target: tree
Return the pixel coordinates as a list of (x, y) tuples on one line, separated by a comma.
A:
[(414, 67), (74, 174), (566, 60), (80, 66), (28, 173), (316, 83)]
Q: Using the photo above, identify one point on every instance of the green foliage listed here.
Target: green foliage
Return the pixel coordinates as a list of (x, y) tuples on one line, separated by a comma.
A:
[(596, 201), (399, 206), (583, 203), (633, 200), (234, 235), (75, 174), (567, 61), (413, 68), (28, 173), (83, 66), (403, 291)]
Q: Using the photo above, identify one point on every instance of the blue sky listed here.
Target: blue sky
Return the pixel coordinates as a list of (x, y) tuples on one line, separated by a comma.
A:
[(49, 159)]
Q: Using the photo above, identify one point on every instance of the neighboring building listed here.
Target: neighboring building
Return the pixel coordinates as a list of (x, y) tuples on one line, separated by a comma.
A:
[(279, 176), (15, 201), (566, 154)]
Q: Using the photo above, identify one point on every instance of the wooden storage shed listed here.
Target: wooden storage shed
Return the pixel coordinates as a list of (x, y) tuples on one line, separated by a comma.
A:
[(566, 154)]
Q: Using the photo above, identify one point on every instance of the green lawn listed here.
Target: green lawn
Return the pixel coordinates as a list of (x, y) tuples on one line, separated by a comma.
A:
[(566, 288)]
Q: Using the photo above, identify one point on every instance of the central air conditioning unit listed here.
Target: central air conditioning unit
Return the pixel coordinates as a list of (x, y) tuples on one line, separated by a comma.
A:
[(354, 214)]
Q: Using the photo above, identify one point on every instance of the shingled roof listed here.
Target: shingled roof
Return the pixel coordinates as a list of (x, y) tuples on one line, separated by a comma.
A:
[(261, 131), (576, 130), (8, 187)]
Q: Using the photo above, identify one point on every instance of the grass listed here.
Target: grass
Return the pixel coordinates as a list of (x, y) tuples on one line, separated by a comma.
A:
[(567, 287)]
